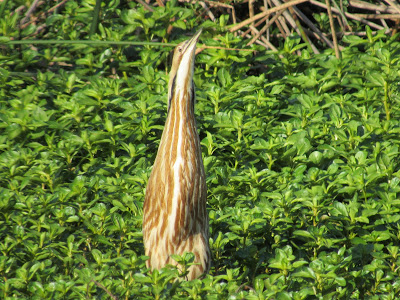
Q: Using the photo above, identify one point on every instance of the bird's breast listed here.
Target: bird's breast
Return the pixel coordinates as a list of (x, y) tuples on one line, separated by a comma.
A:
[(177, 181)]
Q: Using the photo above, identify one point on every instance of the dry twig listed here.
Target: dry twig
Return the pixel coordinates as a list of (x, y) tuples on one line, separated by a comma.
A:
[(378, 16), (264, 28), (295, 26), (328, 5), (315, 29), (263, 14), (208, 11), (30, 11), (351, 16), (392, 4)]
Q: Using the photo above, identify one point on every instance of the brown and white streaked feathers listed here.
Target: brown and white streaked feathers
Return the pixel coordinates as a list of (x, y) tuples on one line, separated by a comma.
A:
[(175, 219)]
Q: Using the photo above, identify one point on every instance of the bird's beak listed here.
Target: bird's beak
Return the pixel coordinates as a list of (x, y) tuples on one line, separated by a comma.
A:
[(195, 38), (190, 45)]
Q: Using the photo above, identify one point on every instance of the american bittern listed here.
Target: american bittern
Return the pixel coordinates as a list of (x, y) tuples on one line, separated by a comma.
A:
[(175, 219)]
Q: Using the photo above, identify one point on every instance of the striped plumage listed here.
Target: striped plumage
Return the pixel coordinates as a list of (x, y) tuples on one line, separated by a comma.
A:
[(175, 219)]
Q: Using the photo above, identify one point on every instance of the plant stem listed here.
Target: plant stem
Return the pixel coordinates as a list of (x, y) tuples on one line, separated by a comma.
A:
[(386, 100)]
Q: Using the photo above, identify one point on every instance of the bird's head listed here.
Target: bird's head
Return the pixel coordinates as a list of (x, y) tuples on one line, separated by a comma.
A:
[(181, 75)]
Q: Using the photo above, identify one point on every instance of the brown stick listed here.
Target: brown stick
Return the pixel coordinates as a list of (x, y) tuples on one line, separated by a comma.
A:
[(299, 31), (264, 40), (34, 19), (313, 27), (362, 33), (264, 28), (337, 53), (256, 25), (383, 21), (351, 16), (219, 4), (378, 16), (259, 42), (267, 21), (213, 3), (147, 6), (392, 4), (201, 47), (30, 11), (57, 6), (280, 23), (104, 288), (303, 33), (263, 14), (251, 10), (369, 6), (345, 24), (208, 11), (160, 3)]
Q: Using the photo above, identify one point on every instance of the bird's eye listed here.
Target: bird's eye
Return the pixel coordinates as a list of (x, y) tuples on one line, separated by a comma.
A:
[(180, 49)]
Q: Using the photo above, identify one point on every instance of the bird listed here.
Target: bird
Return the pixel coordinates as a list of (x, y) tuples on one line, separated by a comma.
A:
[(175, 219)]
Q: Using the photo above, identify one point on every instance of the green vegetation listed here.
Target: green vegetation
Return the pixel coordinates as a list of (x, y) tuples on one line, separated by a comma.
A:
[(301, 155)]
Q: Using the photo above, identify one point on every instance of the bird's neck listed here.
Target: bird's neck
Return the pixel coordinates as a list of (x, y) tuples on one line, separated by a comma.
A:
[(181, 96), (180, 135), (181, 108)]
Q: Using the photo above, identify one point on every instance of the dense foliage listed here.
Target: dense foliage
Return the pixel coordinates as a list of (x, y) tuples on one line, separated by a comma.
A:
[(301, 155)]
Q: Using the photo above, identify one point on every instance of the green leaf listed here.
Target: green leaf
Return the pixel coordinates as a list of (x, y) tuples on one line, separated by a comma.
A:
[(315, 157), (301, 142), (98, 257), (375, 78), (224, 77)]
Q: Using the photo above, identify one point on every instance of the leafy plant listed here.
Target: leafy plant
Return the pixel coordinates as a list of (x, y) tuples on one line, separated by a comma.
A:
[(301, 155)]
